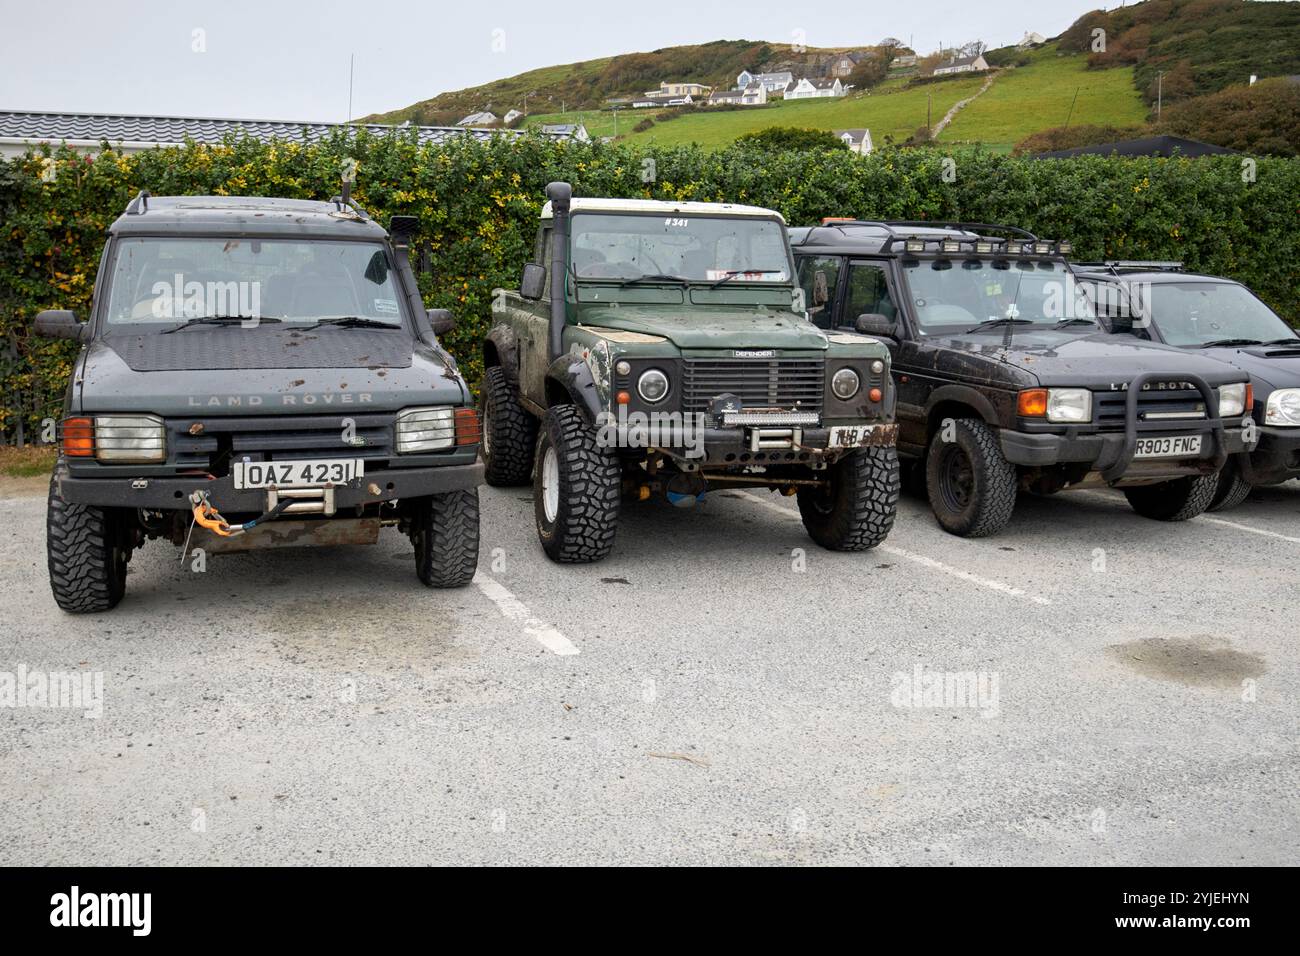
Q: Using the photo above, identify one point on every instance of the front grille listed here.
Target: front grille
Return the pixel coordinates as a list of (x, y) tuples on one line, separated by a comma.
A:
[(211, 444), (1181, 404), (758, 383)]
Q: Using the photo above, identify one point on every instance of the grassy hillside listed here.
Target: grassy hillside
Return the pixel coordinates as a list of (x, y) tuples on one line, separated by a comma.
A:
[(587, 85), (1026, 99), (897, 113), (1201, 46)]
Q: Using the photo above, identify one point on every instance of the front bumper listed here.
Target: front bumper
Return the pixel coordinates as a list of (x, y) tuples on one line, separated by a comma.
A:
[(726, 446), (1276, 458), (1108, 453), (172, 492)]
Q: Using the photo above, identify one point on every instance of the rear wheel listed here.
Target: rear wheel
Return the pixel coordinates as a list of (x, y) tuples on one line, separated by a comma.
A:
[(972, 487), (1176, 500), (444, 530), (1231, 490), (509, 432), (577, 486), (87, 554), (856, 510)]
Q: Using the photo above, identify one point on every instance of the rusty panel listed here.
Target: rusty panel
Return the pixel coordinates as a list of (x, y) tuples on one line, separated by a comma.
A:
[(291, 534)]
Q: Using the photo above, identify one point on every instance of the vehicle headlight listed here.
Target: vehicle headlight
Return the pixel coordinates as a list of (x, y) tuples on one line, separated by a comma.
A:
[(1232, 400), (1069, 405), (845, 384), (652, 385), (1283, 407), (125, 438), (425, 429)]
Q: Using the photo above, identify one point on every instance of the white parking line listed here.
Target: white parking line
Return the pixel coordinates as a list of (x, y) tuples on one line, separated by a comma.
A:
[(1244, 527), (516, 610), (1227, 524), (931, 563)]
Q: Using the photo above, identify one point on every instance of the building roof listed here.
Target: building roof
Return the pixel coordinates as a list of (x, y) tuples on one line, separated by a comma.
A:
[(661, 206), (858, 134), (131, 129), (824, 83), (961, 61), (1146, 146)]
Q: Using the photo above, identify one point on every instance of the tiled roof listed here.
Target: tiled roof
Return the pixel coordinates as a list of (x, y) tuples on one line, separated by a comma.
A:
[(173, 130)]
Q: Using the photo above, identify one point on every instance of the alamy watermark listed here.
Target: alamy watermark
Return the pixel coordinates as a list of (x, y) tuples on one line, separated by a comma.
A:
[(71, 690), (634, 429), (180, 299), (929, 689)]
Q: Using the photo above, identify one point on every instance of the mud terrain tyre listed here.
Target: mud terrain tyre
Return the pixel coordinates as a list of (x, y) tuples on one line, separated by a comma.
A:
[(1231, 490), (1176, 500), (577, 487), (509, 431), (857, 510), (86, 554), (971, 486), (444, 530)]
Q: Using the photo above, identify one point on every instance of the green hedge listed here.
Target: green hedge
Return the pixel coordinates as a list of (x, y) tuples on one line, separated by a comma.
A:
[(478, 201)]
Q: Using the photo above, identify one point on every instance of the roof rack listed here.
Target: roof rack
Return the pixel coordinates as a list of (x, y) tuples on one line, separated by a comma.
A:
[(1116, 266), (140, 204), (896, 229)]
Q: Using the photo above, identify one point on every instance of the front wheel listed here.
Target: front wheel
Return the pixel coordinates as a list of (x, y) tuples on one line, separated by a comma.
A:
[(971, 485), (87, 554), (855, 510), (509, 431), (577, 486), (1231, 490), (1176, 500), (444, 530)]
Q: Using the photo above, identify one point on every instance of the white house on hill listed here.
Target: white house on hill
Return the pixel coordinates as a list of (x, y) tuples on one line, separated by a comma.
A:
[(857, 140), (485, 118), (771, 82), (753, 95), (1031, 39), (964, 64), (807, 89)]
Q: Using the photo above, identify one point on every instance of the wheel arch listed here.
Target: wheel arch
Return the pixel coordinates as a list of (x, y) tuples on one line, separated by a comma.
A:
[(958, 401)]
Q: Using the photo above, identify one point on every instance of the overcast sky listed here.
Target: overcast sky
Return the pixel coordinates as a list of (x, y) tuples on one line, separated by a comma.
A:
[(289, 60)]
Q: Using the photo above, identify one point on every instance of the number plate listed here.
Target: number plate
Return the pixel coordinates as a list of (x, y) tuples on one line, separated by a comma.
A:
[(297, 474), (852, 436), (1169, 446)]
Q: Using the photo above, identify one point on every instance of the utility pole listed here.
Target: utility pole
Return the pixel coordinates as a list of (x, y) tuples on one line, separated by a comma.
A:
[(352, 62), (928, 127), (1072, 102), (1160, 93)]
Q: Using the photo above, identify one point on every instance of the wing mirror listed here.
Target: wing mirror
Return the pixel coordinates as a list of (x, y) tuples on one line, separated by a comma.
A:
[(533, 283), (442, 321), (59, 324), (873, 323)]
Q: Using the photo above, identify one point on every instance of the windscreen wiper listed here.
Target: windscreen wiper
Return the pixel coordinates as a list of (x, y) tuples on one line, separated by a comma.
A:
[(351, 322), (1289, 340), (732, 273), (655, 277), (1223, 342), (1074, 320), (218, 320), (995, 323)]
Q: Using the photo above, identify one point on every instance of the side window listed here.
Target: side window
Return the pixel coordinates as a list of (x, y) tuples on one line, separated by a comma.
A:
[(818, 277), (868, 293)]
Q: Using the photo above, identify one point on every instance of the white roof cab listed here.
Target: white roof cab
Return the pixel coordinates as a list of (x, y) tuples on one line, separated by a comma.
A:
[(665, 207)]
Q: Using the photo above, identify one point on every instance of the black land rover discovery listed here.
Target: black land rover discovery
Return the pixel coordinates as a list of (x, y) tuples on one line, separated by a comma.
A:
[(1005, 379)]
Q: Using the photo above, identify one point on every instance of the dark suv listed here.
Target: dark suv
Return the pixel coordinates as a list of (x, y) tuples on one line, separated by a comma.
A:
[(1005, 379), (257, 373), (1222, 319)]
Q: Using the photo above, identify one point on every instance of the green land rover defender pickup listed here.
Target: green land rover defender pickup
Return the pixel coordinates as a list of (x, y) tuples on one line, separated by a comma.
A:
[(662, 349)]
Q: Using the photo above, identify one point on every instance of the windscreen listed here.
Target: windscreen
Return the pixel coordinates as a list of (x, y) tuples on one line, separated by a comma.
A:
[(162, 281), (698, 249), (1198, 313), (960, 294)]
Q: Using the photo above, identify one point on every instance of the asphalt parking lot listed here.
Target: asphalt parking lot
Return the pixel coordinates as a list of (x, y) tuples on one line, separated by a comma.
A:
[(718, 691)]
